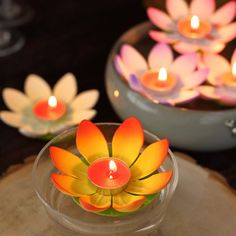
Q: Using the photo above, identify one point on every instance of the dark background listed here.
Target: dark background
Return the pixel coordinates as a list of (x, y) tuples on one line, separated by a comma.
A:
[(76, 36)]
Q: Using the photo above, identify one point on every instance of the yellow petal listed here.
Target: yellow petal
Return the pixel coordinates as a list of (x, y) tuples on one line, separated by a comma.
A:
[(68, 163), (150, 159), (90, 141), (149, 185), (72, 186), (97, 200), (128, 140), (125, 202)]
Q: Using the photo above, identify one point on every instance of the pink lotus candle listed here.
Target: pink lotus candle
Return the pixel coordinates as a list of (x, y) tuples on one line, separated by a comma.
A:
[(109, 173), (158, 81), (50, 109), (229, 78), (193, 27)]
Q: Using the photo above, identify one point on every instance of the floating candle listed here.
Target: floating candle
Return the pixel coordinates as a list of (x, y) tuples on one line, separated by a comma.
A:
[(158, 81), (109, 173), (50, 109), (193, 27)]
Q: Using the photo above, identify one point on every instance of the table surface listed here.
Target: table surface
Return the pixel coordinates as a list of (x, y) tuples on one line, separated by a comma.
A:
[(76, 36)]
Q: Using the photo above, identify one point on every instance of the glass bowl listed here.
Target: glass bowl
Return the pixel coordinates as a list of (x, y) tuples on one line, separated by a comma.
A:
[(69, 219)]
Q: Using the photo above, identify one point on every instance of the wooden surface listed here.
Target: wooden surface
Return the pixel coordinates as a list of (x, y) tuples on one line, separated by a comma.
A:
[(202, 205)]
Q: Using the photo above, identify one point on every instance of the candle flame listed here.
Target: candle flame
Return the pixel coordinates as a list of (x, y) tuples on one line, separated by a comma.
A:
[(52, 101), (162, 75), (112, 166), (195, 22), (234, 69)]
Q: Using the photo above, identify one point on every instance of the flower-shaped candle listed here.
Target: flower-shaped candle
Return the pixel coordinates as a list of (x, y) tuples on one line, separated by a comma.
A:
[(198, 27), (43, 111), (222, 78), (118, 176), (161, 78)]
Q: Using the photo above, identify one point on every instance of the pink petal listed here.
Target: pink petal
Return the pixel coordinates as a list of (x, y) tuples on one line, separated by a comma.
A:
[(208, 92), (184, 47), (227, 95), (177, 8), (224, 14), (233, 58), (195, 79), (160, 56), (120, 67), (213, 46), (133, 60), (227, 33), (184, 64), (202, 8), (217, 65), (163, 37), (184, 97), (160, 19)]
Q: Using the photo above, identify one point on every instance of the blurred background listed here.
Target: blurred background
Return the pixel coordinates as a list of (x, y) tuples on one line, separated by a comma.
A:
[(76, 36)]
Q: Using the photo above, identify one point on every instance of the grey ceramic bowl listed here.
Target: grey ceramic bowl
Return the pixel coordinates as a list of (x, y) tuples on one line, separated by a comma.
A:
[(186, 129)]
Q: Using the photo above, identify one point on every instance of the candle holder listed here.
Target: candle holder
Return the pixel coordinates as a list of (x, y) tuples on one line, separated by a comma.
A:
[(198, 27), (199, 125), (70, 219), (43, 112)]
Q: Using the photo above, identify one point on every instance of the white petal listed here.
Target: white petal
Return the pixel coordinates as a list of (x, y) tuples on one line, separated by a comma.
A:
[(194, 79), (30, 131), (85, 100), (217, 65), (177, 8), (202, 8), (160, 56), (15, 100), (11, 119), (120, 67), (184, 64), (66, 88), (36, 87), (224, 14), (133, 60), (184, 97), (77, 117)]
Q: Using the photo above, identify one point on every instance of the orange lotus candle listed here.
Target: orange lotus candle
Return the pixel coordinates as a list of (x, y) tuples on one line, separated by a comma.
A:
[(158, 81), (193, 27), (50, 109), (109, 173)]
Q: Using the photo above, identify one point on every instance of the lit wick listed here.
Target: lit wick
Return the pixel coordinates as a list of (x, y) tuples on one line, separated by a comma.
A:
[(52, 101), (234, 70), (112, 169), (195, 22), (162, 75)]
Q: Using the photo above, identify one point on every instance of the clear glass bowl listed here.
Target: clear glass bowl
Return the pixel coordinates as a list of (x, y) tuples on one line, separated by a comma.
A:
[(70, 219)]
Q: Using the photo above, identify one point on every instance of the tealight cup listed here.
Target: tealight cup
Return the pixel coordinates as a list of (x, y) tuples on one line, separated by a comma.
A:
[(69, 219)]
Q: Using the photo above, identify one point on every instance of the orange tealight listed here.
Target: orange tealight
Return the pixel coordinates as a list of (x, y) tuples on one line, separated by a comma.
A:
[(158, 81), (229, 78), (193, 27), (50, 109), (109, 173)]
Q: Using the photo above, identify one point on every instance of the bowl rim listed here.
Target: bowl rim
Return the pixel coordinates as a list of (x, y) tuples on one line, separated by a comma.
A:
[(48, 205), (146, 25)]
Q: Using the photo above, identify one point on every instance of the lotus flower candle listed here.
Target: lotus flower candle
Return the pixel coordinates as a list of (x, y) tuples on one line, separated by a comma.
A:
[(42, 111), (161, 78), (222, 78), (120, 178), (198, 27)]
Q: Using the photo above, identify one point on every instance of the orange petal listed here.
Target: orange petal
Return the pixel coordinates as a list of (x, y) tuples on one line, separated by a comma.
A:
[(128, 140), (150, 159), (90, 141), (97, 200), (125, 202), (68, 163), (88, 207), (72, 186), (149, 185)]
